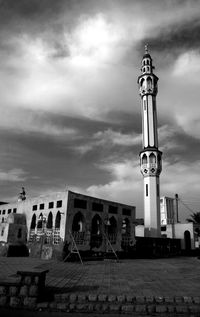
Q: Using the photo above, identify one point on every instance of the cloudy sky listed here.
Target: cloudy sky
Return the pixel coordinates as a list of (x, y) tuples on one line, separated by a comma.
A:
[(69, 102)]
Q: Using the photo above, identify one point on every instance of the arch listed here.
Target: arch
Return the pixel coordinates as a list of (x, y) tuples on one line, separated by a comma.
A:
[(39, 224), (50, 221), (126, 226), (78, 224), (142, 83), (149, 82), (96, 225), (148, 62), (152, 158), (112, 228), (187, 239), (33, 222), (144, 159), (96, 232), (57, 220)]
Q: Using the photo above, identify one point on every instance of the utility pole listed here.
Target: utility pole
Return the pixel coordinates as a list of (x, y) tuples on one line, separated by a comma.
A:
[(176, 207)]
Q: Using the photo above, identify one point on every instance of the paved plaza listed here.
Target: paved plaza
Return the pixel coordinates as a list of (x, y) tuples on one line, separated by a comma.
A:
[(178, 276)]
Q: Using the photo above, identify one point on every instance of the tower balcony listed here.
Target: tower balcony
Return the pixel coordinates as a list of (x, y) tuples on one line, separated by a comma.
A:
[(150, 163), (150, 169)]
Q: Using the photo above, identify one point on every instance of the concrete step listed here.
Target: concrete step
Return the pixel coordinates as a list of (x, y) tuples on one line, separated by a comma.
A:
[(127, 304)]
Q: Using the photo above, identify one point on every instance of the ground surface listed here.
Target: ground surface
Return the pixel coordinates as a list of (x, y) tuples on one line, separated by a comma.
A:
[(178, 276)]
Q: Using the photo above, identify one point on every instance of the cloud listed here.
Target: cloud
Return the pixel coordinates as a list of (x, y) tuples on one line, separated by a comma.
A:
[(13, 175), (125, 186), (187, 64)]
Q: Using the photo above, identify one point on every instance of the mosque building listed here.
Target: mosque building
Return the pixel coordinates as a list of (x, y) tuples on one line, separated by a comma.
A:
[(50, 222)]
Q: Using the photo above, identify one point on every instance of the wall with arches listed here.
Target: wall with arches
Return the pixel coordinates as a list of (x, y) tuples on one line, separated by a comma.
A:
[(91, 219)]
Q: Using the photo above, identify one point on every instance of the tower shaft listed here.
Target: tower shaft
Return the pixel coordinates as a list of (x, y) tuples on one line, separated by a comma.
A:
[(150, 156)]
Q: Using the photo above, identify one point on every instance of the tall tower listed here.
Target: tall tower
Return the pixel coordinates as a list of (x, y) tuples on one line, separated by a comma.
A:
[(150, 156)]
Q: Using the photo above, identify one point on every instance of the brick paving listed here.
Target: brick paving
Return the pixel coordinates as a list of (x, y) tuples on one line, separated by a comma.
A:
[(138, 277)]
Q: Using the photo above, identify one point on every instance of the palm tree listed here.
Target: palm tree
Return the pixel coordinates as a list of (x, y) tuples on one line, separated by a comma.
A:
[(195, 218)]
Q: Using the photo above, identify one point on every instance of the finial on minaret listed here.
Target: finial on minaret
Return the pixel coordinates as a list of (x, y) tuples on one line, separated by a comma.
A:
[(146, 48)]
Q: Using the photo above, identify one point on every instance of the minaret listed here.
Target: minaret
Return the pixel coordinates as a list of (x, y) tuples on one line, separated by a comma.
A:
[(150, 156)]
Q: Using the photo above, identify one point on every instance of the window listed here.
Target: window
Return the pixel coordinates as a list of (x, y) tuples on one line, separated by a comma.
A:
[(57, 221), (9, 211), (78, 224), (112, 209), (80, 203), (126, 212), (163, 228), (34, 207), (97, 207), (41, 206), (2, 220), (2, 231), (147, 194), (59, 204), (33, 222), (50, 221), (14, 210), (40, 221), (152, 158), (4, 212), (51, 204), (158, 190), (0, 212)]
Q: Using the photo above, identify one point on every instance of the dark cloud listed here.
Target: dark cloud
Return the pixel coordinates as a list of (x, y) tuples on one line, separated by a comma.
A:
[(172, 40)]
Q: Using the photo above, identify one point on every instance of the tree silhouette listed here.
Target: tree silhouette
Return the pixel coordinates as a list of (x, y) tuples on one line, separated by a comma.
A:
[(195, 218)]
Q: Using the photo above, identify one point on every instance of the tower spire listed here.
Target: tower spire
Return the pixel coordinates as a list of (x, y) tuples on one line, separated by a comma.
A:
[(146, 48), (150, 156)]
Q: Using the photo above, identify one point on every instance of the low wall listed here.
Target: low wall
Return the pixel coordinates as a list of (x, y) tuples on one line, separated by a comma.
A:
[(24, 293)]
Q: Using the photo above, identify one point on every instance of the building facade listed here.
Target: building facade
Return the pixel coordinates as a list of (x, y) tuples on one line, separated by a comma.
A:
[(95, 224)]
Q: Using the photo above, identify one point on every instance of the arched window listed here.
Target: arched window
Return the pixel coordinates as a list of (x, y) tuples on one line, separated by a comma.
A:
[(33, 222), (96, 225), (112, 228), (78, 224), (187, 238), (50, 221), (39, 224), (96, 232), (58, 219), (144, 159), (149, 83), (142, 83), (152, 158)]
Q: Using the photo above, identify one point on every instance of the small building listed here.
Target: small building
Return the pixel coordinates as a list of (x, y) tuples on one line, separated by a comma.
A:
[(188, 232)]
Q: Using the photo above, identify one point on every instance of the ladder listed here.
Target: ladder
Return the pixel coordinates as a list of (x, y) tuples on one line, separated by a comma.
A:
[(108, 241), (74, 249)]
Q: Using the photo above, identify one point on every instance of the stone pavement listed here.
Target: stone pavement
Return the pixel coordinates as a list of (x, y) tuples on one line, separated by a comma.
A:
[(139, 285)]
